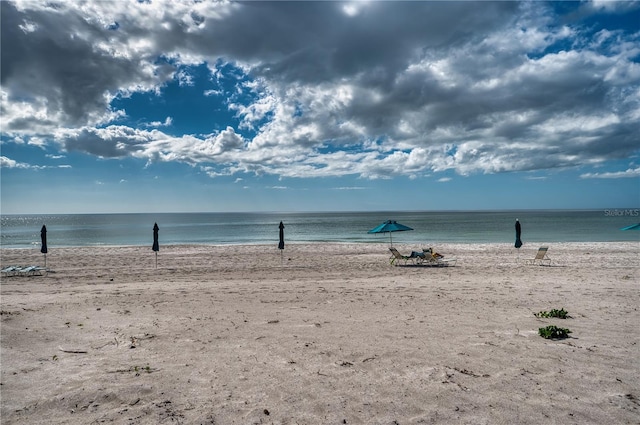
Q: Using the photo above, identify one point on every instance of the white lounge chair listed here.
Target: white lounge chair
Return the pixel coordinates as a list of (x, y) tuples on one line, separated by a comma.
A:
[(10, 270), (432, 258), (31, 271), (541, 257)]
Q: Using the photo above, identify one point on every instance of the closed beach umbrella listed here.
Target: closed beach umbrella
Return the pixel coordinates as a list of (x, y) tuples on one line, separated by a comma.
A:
[(43, 239), (518, 234), (156, 245), (390, 226), (281, 243)]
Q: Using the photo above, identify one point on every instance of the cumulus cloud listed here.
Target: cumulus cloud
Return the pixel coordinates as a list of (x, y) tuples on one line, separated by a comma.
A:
[(374, 89), (10, 163)]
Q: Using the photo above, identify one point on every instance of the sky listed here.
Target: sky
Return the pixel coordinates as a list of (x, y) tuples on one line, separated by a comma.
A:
[(217, 106)]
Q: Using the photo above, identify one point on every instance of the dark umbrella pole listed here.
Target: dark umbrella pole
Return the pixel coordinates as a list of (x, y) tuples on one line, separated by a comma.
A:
[(43, 239), (281, 243), (156, 245)]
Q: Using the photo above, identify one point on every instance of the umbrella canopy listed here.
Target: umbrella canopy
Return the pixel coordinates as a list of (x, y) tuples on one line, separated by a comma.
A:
[(43, 238), (390, 226), (281, 243), (632, 227), (518, 234), (156, 245)]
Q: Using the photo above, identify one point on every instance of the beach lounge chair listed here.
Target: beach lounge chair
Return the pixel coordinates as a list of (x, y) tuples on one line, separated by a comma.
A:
[(23, 271), (31, 271), (396, 257), (10, 271), (432, 258), (541, 257)]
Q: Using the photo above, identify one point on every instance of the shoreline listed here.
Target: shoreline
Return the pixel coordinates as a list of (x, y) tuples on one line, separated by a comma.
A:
[(526, 244), (262, 228), (324, 333)]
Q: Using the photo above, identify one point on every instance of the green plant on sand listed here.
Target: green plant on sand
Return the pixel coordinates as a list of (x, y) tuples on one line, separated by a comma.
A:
[(553, 332), (561, 314)]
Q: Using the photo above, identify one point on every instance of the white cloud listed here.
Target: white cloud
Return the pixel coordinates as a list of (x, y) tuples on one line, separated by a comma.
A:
[(629, 173), (613, 6), (10, 163), (374, 89), (155, 124)]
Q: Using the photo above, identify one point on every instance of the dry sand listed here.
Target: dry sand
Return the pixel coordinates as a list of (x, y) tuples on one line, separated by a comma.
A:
[(330, 335)]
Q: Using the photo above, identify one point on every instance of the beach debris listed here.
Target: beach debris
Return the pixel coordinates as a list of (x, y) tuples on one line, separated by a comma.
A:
[(266, 412), (470, 373), (114, 342), (168, 412), (73, 351), (553, 332), (465, 372), (560, 314), (136, 370)]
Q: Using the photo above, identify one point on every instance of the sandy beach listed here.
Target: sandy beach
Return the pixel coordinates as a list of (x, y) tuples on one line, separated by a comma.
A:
[(325, 334)]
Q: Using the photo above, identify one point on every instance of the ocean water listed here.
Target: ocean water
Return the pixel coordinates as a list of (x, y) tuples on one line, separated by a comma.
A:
[(23, 231)]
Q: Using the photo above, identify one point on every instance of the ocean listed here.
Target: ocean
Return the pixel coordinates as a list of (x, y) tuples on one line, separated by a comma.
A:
[(430, 227)]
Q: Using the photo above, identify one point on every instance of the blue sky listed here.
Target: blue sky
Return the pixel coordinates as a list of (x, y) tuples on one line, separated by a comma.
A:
[(163, 106)]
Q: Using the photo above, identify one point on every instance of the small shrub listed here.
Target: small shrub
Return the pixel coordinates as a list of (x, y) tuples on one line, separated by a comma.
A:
[(560, 314), (553, 332)]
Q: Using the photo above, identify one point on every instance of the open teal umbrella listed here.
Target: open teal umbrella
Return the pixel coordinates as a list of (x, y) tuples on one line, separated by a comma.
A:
[(632, 227), (390, 226)]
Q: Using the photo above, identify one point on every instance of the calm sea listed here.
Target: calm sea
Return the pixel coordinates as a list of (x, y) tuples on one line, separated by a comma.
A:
[(23, 231)]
